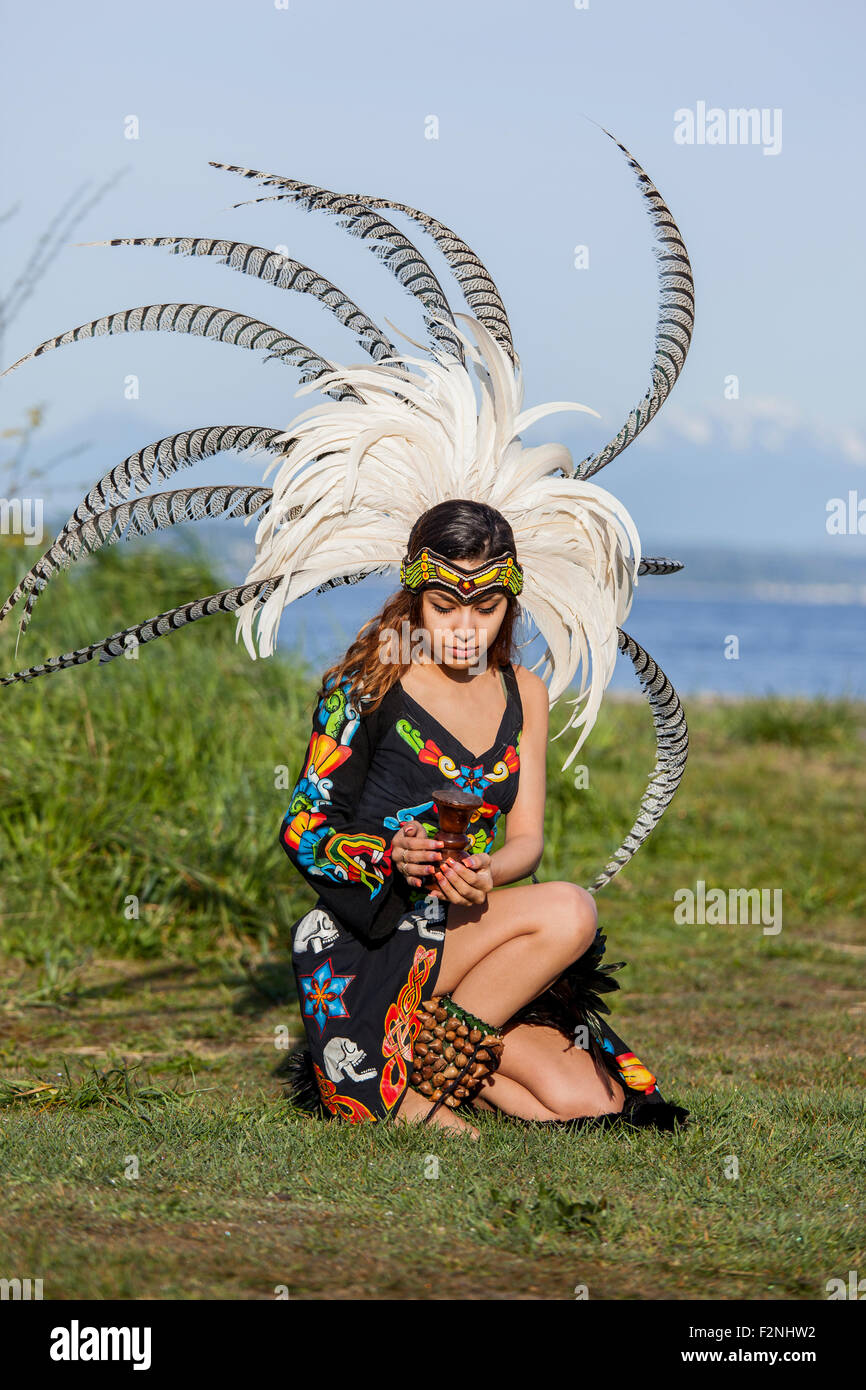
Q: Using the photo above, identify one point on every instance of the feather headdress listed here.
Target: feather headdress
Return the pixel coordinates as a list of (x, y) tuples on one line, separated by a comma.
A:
[(362, 471), (356, 472)]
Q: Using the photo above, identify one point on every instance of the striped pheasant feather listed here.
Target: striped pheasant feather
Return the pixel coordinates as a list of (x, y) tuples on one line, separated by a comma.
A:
[(161, 459), (674, 326), (470, 272), (226, 601), (658, 564), (140, 517), (386, 241), (468, 268), (672, 747), (275, 269), (165, 456), (203, 320)]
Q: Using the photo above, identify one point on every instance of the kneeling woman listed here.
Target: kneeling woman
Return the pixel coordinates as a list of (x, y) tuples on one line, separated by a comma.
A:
[(409, 959)]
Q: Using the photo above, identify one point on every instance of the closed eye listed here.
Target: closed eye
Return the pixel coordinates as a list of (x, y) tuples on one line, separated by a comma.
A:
[(485, 611)]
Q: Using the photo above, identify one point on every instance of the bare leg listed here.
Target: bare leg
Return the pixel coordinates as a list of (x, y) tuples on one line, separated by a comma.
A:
[(541, 1077), (499, 955), (503, 1093), (542, 1071), (511, 976)]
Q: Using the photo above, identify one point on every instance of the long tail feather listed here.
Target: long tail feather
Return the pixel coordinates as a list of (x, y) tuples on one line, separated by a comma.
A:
[(676, 319), (207, 321), (658, 564), (672, 747), (226, 601), (387, 242), (469, 270), (282, 272), (140, 517), (165, 456)]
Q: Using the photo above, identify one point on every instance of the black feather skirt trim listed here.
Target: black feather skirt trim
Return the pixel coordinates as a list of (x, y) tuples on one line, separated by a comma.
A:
[(302, 1091)]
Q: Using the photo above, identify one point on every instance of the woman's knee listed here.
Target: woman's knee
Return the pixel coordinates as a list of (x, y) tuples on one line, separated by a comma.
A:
[(570, 915)]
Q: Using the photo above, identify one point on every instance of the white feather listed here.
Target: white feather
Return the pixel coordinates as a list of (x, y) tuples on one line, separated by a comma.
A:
[(362, 472)]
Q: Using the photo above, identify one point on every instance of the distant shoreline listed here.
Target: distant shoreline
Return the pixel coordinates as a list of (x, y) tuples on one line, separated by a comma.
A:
[(735, 697)]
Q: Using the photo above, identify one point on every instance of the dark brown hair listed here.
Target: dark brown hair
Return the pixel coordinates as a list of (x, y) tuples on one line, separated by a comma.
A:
[(459, 530)]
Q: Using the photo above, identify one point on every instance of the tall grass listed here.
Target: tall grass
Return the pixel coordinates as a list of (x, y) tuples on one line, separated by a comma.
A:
[(140, 801)]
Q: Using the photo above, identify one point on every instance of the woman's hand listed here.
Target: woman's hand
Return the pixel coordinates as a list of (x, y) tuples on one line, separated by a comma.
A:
[(465, 882), (414, 853)]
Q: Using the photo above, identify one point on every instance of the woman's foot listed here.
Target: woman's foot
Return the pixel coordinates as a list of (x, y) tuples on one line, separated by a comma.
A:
[(413, 1108)]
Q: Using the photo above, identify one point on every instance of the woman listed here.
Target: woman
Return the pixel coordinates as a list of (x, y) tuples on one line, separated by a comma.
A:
[(394, 925), (402, 447)]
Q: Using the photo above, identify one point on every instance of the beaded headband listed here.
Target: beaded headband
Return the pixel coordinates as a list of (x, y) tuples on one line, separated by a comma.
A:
[(429, 568)]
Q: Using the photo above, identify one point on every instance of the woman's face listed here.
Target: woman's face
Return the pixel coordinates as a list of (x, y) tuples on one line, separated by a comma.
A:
[(462, 633)]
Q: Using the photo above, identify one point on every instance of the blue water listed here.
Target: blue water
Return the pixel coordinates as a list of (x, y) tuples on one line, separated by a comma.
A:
[(785, 648)]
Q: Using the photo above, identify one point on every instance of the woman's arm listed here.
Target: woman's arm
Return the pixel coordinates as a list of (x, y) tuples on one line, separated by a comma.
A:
[(346, 860), (524, 826)]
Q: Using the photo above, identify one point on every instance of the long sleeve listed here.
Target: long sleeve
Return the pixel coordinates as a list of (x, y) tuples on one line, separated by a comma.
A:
[(346, 860)]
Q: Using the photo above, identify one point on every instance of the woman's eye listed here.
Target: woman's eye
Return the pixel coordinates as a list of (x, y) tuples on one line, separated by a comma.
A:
[(486, 611)]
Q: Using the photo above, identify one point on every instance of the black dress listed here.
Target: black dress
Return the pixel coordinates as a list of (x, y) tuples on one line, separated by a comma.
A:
[(369, 952)]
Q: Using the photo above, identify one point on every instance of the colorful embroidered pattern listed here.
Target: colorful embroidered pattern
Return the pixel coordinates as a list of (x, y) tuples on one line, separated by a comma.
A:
[(346, 1106), (471, 779), (632, 1070), (323, 994), (341, 857), (429, 567), (402, 1027)]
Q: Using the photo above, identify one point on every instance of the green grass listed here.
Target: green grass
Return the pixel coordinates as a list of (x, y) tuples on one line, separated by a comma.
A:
[(799, 723), (146, 906)]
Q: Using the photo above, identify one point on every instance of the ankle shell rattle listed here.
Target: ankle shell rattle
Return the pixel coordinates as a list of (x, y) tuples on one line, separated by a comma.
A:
[(453, 1053)]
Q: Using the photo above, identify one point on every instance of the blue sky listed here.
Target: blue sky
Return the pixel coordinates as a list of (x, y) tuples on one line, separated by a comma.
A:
[(341, 94)]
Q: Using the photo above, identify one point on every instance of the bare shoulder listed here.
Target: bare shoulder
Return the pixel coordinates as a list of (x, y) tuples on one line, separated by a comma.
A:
[(533, 691)]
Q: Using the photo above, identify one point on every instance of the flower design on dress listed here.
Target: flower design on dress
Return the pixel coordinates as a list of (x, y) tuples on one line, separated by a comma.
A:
[(472, 779), (305, 833), (323, 994)]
